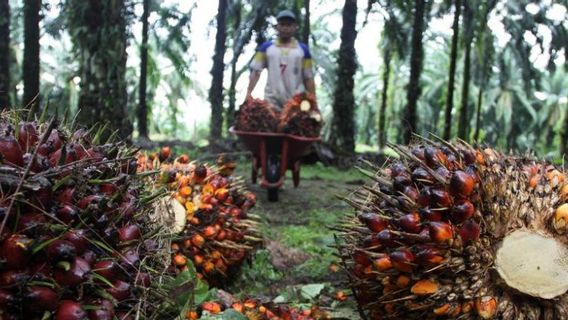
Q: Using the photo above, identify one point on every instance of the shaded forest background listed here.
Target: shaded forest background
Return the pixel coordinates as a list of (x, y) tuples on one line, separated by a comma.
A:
[(499, 77)]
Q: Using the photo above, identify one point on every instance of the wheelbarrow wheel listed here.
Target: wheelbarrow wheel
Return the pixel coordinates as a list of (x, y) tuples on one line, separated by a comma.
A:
[(273, 175), (272, 194)]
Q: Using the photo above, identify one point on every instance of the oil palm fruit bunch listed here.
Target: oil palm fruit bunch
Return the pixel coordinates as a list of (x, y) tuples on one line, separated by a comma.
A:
[(253, 309), (75, 241), (452, 231), (256, 115), (301, 116), (209, 214)]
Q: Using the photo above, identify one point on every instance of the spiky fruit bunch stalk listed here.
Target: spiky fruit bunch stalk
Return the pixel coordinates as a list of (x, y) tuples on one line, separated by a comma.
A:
[(256, 115), (74, 235), (449, 231), (213, 225), (253, 309), (301, 116)]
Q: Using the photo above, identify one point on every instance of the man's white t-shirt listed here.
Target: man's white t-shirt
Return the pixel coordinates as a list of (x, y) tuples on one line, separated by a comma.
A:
[(288, 67)]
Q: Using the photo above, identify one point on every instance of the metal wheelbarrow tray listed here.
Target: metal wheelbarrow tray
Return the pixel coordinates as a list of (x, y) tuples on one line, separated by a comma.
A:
[(274, 153)]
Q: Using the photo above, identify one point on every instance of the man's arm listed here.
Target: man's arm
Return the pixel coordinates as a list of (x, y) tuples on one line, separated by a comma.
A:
[(310, 85), (253, 80)]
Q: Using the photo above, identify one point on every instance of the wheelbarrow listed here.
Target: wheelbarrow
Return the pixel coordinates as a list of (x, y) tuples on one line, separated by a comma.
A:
[(274, 153)]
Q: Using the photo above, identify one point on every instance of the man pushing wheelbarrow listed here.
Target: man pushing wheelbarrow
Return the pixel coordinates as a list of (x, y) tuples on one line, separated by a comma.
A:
[(279, 130)]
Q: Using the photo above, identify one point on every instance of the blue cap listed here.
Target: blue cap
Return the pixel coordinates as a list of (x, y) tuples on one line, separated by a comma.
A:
[(286, 14)]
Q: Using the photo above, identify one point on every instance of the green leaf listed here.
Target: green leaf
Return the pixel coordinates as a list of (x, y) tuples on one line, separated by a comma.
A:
[(311, 291)]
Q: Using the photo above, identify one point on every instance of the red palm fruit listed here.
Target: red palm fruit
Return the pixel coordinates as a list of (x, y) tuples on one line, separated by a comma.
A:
[(41, 298), (361, 258), (410, 222), (200, 173), (428, 214), (29, 223), (386, 238), (165, 153), (235, 212), (184, 158), (440, 198), (221, 235), (78, 238), (128, 233), (421, 175), (424, 197), (469, 231), (461, 211), (14, 251), (101, 310), (130, 258), (461, 184), (222, 194), (373, 221), (411, 193), (13, 277), (27, 135), (55, 139), (90, 200), (60, 250), (143, 279), (427, 255), (66, 196), (467, 156), (397, 169), (10, 151), (371, 242), (383, 263), (402, 259), (209, 232), (75, 275), (7, 299), (67, 213), (433, 157), (401, 182), (197, 240), (440, 231), (108, 269), (89, 256), (70, 310), (120, 290), (444, 173), (108, 188)]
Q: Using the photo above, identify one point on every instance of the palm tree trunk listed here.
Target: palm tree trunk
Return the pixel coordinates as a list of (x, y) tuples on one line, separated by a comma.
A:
[(463, 123), (142, 113), (564, 137), (216, 90), (237, 50), (344, 101), (98, 31), (416, 58), (383, 108), (4, 54), (306, 30), (451, 80), (31, 54), (478, 114)]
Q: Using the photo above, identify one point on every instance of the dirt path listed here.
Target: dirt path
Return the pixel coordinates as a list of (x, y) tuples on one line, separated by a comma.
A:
[(299, 245)]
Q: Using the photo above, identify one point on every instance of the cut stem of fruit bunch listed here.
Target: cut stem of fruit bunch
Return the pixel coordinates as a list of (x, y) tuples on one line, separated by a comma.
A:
[(448, 231)]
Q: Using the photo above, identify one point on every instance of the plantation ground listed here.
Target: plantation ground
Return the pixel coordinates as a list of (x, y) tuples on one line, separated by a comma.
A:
[(297, 264)]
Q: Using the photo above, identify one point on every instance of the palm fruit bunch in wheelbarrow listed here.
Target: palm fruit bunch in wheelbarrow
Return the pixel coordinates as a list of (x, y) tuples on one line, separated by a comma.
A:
[(254, 309), (453, 231), (209, 215), (75, 239), (256, 115), (301, 116)]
